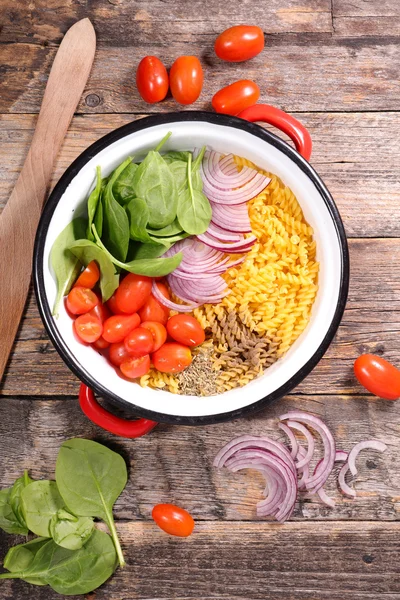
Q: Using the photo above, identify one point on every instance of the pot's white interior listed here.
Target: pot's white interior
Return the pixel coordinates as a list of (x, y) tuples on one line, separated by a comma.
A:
[(185, 136)]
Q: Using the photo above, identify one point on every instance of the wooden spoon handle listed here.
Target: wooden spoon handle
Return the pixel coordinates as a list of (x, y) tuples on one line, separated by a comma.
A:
[(20, 217)]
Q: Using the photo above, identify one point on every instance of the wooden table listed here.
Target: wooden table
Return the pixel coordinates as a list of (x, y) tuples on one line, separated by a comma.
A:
[(335, 65)]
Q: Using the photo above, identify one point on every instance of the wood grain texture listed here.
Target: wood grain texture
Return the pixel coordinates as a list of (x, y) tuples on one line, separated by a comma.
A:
[(308, 72), (249, 561), (366, 18), (356, 154), (174, 464), (130, 22), (371, 324)]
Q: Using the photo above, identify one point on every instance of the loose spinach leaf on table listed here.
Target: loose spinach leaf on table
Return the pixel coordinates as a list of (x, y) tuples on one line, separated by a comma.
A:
[(173, 155), (8, 520), (194, 210), (86, 251), (155, 183), (65, 265), (71, 572), (15, 496), (45, 515), (123, 189), (115, 233), (138, 216), (90, 477), (20, 557), (93, 203), (151, 267)]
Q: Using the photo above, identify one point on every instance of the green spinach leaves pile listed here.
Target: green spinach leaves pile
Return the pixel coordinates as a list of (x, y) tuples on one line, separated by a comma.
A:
[(133, 217), (69, 554)]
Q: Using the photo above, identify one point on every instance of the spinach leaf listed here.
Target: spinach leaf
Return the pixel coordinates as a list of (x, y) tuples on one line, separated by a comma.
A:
[(45, 515), (151, 267), (123, 186), (179, 171), (115, 221), (15, 496), (86, 251), (140, 251), (163, 141), (20, 557), (138, 216), (69, 531), (71, 572), (155, 183), (173, 155), (194, 210), (171, 229), (90, 477), (8, 520), (98, 217), (92, 204), (171, 239), (65, 265)]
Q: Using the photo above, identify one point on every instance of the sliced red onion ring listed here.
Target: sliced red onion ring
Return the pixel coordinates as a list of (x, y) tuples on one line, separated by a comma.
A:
[(234, 248), (371, 444), (237, 217), (223, 234), (212, 172), (305, 460), (343, 487), (315, 482), (303, 471), (169, 304), (292, 438), (340, 456)]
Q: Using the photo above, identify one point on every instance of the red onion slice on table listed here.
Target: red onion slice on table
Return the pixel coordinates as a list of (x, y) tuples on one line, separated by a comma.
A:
[(306, 459), (343, 487), (370, 444), (340, 456), (292, 438)]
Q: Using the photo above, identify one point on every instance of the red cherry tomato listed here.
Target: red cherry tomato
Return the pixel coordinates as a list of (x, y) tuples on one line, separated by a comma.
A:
[(89, 277), (173, 519), (171, 358), (111, 305), (152, 79), (101, 343), (118, 353), (139, 342), (378, 376), (100, 311), (158, 332), (117, 327), (81, 300), (132, 293), (186, 79), (234, 98), (136, 366), (153, 310), (186, 330), (88, 328), (239, 43)]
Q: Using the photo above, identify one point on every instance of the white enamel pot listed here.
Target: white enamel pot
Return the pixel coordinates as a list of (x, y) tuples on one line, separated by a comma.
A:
[(224, 134)]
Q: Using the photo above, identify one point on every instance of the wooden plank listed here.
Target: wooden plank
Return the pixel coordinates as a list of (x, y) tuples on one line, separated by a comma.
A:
[(130, 23), (356, 154), (174, 464), (297, 72), (361, 18), (371, 324), (249, 561)]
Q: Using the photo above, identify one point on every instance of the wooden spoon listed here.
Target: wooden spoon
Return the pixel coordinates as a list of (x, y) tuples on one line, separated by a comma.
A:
[(20, 217)]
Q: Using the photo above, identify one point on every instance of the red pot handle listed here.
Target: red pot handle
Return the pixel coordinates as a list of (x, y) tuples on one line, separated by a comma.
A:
[(286, 123), (101, 417)]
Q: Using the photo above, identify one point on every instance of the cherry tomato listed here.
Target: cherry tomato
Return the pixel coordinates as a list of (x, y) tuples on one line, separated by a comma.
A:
[(139, 342), (234, 98), (378, 376), (100, 311), (136, 366), (112, 306), (118, 354), (89, 277), (117, 327), (101, 343), (186, 79), (152, 79), (186, 330), (158, 332), (239, 43), (81, 300), (132, 293), (88, 328), (171, 358), (173, 519), (153, 310)]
